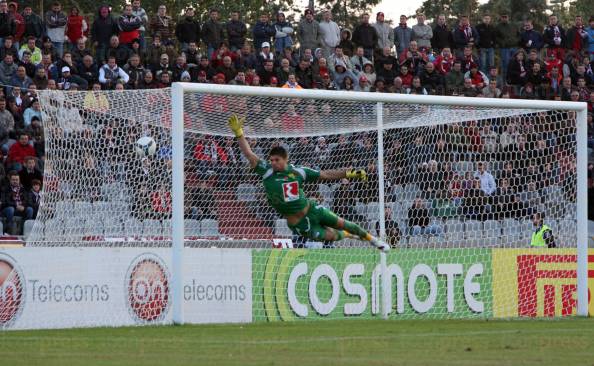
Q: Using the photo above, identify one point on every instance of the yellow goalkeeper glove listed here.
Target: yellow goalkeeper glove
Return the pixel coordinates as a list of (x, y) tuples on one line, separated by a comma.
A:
[(358, 174), (236, 125)]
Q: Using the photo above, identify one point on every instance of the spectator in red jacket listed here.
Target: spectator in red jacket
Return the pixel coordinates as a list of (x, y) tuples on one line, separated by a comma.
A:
[(76, 26), (291, 121), (19, 151), (13, 8), (161, 201), (129, 26), (444, 62)]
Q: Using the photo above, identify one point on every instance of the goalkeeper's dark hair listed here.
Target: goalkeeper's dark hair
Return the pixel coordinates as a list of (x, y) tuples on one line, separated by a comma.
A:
[(279, 151)]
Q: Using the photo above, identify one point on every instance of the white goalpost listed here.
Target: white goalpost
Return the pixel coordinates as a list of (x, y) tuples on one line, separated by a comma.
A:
[(149, 214)]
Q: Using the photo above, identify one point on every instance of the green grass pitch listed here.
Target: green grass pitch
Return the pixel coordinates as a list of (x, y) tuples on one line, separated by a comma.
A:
[(356, 342)]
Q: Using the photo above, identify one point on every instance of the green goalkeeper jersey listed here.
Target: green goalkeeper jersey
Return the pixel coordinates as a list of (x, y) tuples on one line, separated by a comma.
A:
[(284, 190)]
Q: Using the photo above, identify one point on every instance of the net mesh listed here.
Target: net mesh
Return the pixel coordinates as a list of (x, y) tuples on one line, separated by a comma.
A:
[(458, 179), (462, 169)]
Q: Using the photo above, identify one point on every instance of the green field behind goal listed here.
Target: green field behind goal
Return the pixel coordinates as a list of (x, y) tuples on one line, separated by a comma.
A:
[(357, 342)]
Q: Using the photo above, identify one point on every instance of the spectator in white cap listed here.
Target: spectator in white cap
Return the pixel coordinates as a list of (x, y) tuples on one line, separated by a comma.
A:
[(67, 80), (265, 54)]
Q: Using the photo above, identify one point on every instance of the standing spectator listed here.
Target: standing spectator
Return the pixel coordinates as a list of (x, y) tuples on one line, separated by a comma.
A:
[(308, 32), (33, 24), (212, 32), (442, 36), (554, 37), (263, 32), (187, 30), (110, 73), (419, 221), (14, 202), (128, 26), (529, 38), (55, 22), (76, 26), (366, 36), (162, 24), (101, 31), (464, 35), (577, 36), (402, 35), (284, 31), (30, 172), (486, 43), (236, 31), (7, 22), (13, 8), (507, 39), (422, 33), (385, 33), (329, 34), (346, 43), (138, 11)]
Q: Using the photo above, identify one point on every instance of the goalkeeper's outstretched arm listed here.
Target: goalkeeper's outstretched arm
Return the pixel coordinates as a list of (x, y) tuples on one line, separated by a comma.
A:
[(236, 125), (336, 174)]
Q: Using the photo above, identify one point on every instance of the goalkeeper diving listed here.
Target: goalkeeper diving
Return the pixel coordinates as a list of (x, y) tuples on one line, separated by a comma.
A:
[(283, 184)]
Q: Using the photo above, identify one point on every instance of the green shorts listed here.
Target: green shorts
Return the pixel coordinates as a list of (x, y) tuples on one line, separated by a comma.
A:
[(316, 222)]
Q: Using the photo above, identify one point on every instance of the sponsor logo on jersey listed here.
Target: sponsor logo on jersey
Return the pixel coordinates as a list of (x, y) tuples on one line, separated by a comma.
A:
[(12, 291), (291, 191), (147, 288)]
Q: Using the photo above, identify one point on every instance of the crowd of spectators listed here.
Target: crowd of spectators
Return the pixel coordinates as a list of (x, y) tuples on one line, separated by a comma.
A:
[(149, 49)]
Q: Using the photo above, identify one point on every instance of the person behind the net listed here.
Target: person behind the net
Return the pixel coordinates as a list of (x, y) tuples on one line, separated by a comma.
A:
[(283, 183)]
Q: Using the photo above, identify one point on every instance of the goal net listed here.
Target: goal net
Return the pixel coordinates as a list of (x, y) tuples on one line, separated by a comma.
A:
[(454, 189)]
